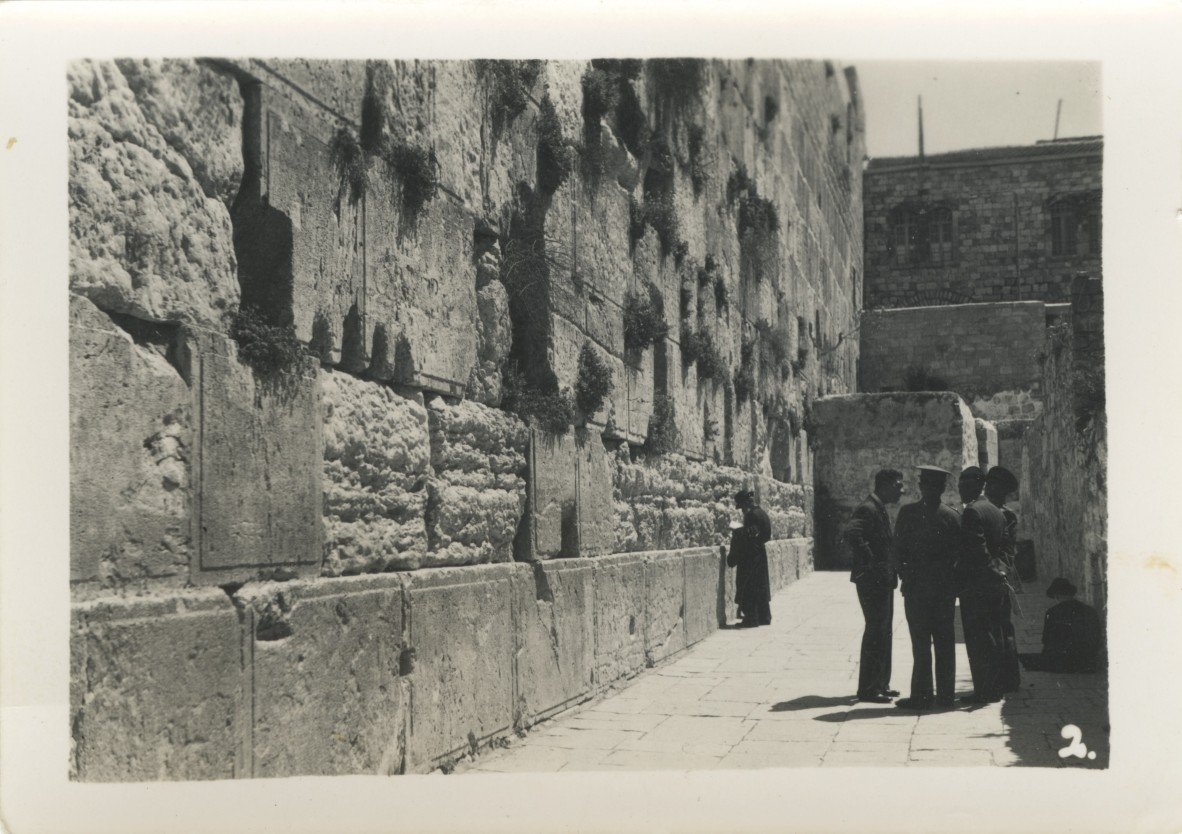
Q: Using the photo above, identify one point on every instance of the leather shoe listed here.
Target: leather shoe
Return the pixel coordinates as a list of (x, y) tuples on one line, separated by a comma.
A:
[(875, 698), (978, 699), (893, 693), (914, 703), (945, 702), (747, 624)]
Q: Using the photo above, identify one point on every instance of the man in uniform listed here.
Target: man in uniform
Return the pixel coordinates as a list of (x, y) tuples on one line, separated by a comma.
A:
[(984, 597), (868, 535), (927, 537)]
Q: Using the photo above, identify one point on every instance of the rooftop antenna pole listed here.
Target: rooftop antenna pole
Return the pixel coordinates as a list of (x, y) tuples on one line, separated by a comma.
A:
[(1058, 110), (920, 128)]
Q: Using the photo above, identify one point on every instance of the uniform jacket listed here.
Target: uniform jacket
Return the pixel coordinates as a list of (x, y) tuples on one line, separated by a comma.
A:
[(982, 545), (868, 535), (927, 542)]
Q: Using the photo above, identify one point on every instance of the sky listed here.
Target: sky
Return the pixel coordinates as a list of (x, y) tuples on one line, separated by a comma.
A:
[(975, 104)]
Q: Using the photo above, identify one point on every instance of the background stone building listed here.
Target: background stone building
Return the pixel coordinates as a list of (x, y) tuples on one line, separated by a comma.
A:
[(408, 398), (983, 225)]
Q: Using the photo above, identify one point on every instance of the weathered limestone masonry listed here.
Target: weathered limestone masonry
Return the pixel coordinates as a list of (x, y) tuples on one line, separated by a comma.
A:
[(351, 491), (863, 433), (1065, 454), (987, 353), (985, 225)]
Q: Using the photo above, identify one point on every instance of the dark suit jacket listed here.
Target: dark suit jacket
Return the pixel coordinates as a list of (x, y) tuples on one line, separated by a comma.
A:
[(982, 545), (869, 538)]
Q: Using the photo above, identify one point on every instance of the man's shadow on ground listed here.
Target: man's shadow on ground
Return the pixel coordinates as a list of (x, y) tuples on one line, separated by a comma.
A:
[(816, 701)]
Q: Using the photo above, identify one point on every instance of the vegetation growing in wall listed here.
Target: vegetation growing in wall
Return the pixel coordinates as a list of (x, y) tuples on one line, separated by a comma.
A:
[(556, 156), (660, 212), (601, 96), (509, 84), (677, 82), (348, 159), (743, 380), (920, 378), (416, 168), (551, 410), (644, 318), (699, 158), (594, 381), (269, 349), (756, 214), (663, 435)]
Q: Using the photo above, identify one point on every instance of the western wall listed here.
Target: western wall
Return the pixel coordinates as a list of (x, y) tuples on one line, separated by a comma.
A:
[(408, 398)]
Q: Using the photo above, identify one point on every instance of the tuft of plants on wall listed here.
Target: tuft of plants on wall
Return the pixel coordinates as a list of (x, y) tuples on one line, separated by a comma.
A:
[(416, 168), (920, 378), (644, 318), (756, 214), (743, 380), (663, 435), (699, 158), (660, 212), (594, 382), (601, 97), (551, 410), (348, 159), (509, 84), (269, 349), (677, 81), (556, 156)]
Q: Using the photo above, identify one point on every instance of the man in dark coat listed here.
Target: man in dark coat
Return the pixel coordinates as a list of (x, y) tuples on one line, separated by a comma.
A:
[(927, 537), (984, 596), (748, 555), (868, 536), (1071, 634)]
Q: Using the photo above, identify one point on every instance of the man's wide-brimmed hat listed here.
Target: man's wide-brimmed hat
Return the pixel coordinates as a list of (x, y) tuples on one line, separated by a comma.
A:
[(934, 472), (744, 495), (972, 472), (1002, 476), (1060, 587)]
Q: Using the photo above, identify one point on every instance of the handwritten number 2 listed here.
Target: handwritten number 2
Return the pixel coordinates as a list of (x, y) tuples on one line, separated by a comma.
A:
[(1076, 747)]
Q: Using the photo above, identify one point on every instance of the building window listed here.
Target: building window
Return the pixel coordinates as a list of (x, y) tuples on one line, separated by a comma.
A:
[(922, 235), (1075, 225)]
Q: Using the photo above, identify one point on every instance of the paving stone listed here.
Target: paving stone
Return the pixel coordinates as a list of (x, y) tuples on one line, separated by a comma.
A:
[(726, 730)]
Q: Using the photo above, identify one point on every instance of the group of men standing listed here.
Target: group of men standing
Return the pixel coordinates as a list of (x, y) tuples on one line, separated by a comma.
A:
[(940, 554)]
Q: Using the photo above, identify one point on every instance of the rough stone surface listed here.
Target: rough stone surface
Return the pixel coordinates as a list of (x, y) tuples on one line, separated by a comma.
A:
[(553, 495), (477, 492), (555, 610), (664, 585), (376, 466), (327, 692), (161, 693), (620, 605), (493, 340), (259, 460), (151, 162), (705, 592), (131, 445), (461, 628), (858, 435)]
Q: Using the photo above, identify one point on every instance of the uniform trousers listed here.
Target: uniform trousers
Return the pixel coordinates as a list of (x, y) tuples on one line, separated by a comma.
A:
[(874, 665), (930, 620), (984, 611)]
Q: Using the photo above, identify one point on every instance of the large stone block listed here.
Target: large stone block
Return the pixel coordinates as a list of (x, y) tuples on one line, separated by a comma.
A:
[(638, 391), (593, 471), (161, 689), (327, 688), (705, 592), (376, 468), (620, 604), (420, 287), (131, 442), (553, 496), (258, 463), (555, 620), (150, 235), (461, 633), (664, 586)]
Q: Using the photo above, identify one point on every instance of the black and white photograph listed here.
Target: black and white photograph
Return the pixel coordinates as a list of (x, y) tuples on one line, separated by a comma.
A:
[(597, 417)]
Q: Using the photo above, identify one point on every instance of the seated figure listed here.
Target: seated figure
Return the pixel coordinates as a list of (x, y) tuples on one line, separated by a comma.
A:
[(1070, 634)]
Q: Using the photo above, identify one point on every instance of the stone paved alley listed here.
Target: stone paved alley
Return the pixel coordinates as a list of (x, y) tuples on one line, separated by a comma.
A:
[(782, 696)]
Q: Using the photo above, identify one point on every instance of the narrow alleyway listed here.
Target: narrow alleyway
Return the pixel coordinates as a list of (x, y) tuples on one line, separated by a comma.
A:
[(782, 696)]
